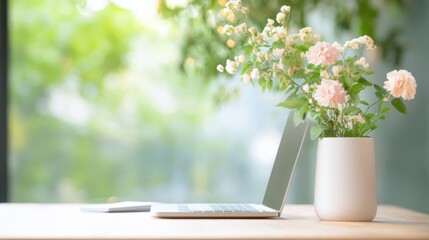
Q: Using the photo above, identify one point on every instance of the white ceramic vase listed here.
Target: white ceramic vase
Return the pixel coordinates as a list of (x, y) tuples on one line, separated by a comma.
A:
[(345, 187)]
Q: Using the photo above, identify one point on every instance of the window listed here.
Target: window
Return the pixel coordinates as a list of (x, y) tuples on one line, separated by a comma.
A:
[(98, 112)]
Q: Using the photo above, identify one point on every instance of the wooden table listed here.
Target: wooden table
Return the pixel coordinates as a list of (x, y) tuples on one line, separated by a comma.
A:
[(66, 221)]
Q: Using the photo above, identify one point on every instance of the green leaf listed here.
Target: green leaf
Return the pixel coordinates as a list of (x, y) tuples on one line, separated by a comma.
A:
[(351, 59), (381, 107), (347, 82), (355, 89), (364, 82), (303, 110), (269, 84), (310, 66), (277, 44), (355, 99), (379, 95), (351, 111), (297, 119), (300, 114), (315, 132), (368, 72), (292, 102), (245, 67), (380, 89), (364, 103), (261, 83), (247, 49), (314, 115), (369, 117), (399, 105), (303, 48)]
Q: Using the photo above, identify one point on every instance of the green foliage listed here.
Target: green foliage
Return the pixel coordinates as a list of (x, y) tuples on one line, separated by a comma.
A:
[(327, 87), (204, 43), (52, 45), (127, 146), (399, 105), (293, 102)]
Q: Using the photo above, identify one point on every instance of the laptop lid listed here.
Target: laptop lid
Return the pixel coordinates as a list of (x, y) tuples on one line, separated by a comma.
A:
[(284, 164)]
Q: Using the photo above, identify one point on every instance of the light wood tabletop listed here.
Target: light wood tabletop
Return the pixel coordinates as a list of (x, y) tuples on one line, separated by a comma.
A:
[(66, 221)]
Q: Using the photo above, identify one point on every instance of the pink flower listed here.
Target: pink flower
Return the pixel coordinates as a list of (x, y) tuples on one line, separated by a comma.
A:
[(401, 84), (330, 93), (322, 53)]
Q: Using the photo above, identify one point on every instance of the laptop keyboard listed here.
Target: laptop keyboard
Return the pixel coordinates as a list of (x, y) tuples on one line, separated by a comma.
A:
[(217, 208)]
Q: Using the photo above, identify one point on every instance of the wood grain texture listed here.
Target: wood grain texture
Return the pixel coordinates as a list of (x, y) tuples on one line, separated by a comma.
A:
[(66, 221)]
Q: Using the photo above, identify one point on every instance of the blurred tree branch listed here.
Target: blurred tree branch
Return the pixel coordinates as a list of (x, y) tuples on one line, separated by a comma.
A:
[(204, 47)]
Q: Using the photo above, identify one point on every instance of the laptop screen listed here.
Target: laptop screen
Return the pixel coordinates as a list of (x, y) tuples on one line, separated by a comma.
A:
[(287, 155)]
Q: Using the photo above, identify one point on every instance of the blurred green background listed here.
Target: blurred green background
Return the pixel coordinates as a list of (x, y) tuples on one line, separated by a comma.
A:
[(116, 100)]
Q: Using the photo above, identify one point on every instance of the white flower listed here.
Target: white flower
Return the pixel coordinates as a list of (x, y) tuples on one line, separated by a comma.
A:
[(338, 47), (274, 69), (231, 66), (280, 18), (278, 52), (285, 9), (353, 44), (358, 118), (279, 33), (265, 36), (240, 29), (369, 43), (315, 37), (259, 57), (305, 88), (233, 4), (255, 73), (228, 29), (270, 22), (236, 4), (290, 72), (362, 62), (240, 59), (305, 31), (245, 10), (253, 31), (267, 56), (259, 39), (227, 11), (324, 74), (246, 78), (361, 40), (220, 68), (228, 5), (280, 66), (290, 39), (336, 70)]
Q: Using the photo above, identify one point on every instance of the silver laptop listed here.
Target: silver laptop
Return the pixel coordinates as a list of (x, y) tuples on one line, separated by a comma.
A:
[(275, 194)]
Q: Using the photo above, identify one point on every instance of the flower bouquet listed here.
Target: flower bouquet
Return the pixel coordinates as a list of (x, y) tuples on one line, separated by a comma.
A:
[(322, 81)]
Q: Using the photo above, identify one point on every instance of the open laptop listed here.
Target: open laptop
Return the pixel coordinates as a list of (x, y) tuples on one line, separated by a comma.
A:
[(275, 194)]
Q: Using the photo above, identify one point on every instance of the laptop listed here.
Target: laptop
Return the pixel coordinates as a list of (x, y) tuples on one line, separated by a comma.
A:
[(275, 194)]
